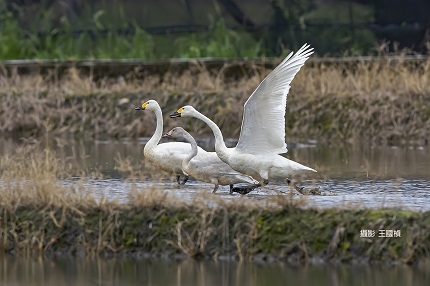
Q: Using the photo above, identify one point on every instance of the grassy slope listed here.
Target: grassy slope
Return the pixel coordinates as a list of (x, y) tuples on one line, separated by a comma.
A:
[(290, 233), (379, 101)]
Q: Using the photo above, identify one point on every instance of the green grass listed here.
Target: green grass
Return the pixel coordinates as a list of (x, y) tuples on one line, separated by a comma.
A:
[(58, 39), (295, 22), (218, 41)]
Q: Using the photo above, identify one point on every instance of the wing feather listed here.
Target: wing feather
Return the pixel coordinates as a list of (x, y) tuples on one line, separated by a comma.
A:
[(263, 124)]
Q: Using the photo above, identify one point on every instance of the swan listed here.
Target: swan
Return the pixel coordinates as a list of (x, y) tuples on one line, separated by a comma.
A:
[(167, 156), (207, 167), (262, 135)]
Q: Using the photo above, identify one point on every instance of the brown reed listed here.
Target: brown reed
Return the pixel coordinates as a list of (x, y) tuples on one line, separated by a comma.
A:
[(382, 101)]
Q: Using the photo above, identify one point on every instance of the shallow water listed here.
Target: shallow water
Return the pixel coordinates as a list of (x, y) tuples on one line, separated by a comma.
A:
[(359, 175), (129, 271)]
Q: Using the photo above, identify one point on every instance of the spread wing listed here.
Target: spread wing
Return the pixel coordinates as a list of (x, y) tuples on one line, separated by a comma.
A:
[(263, 124)]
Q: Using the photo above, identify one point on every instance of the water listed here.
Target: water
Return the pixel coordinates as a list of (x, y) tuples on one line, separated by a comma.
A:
[(359, 175), (129, 271)]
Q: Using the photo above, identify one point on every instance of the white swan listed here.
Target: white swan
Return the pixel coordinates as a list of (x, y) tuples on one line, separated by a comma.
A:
[(167, 156), (207, 167), (262, 135)]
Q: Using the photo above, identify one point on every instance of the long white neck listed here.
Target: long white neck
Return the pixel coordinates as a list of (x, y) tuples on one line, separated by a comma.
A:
[(193, 152), (158, 130), (220, 148)]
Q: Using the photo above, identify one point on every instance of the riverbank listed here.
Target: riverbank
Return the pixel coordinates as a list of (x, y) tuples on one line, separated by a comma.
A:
[(159, 228), (381, 101), (47, 209)]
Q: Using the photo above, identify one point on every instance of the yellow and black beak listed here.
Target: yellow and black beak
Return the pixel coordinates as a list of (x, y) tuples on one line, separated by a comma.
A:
[(142, 107), (176, 113)]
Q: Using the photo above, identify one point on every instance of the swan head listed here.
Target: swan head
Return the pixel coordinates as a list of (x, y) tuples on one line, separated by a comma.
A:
[(185, 111), (149, 105), (176, 133)]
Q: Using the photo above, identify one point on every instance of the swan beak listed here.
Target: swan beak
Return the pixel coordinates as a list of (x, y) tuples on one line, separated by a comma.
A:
[(175, 114), (141, 107), (167, 135)]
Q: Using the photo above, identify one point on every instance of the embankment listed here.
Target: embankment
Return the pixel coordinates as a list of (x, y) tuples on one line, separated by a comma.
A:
[(284, 233), (379, 101)]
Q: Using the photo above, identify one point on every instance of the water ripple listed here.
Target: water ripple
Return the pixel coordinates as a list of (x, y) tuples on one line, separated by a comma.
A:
[(397, 193)]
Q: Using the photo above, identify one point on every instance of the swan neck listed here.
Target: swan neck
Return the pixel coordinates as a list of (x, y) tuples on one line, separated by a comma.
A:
[(220, 147), (158, 130), (193, 152)]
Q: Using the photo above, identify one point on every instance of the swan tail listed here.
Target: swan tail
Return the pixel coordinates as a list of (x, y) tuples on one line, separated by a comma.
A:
[(240, 178), (304, 168), (246, 179), (299, 168)]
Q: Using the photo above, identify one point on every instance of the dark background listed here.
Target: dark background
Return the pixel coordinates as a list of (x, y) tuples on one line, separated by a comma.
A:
[(334, 27)]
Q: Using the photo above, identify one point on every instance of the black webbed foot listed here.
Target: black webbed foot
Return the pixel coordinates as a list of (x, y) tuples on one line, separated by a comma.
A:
[(185, 180), (243, 190)]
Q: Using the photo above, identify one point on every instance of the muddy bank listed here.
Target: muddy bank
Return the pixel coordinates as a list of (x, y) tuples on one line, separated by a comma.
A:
[(289, 233), (380, 101)]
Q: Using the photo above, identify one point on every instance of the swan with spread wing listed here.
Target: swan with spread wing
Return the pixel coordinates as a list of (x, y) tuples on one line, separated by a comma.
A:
[(262, 135)]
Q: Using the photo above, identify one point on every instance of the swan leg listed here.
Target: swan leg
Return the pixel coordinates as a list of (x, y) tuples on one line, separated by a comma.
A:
[(264, 175), (215, 188), (231, 189), (185, 180), (178, 179)]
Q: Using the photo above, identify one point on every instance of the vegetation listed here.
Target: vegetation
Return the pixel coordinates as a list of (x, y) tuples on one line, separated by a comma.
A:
[(40, 215), (115, 31), (65, 44), (381, 101)]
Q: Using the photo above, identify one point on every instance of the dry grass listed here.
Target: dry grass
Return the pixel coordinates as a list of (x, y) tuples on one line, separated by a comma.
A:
[(29, 176), (37, 208), (40, 215), (381, 101)]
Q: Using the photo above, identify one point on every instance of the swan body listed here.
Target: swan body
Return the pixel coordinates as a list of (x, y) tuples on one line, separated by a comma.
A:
[(166, 156), (207, 167), (262, 135)]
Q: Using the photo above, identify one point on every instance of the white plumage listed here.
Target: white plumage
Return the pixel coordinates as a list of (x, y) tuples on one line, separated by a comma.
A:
[(167, 156), (263, 124), (207, 166), (262, 136)]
